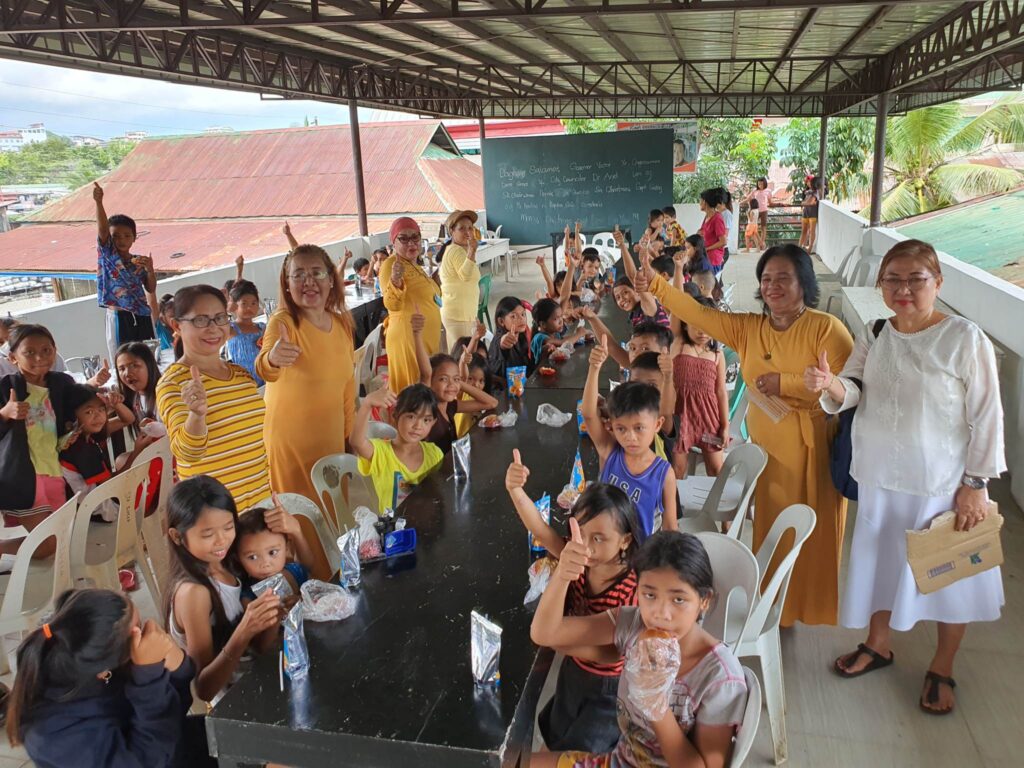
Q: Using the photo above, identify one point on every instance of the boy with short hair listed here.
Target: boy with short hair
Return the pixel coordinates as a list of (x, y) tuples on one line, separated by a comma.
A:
[(122, 278), (646, 337), (656, 369), (674, 230), (590, 271), (626, 456)]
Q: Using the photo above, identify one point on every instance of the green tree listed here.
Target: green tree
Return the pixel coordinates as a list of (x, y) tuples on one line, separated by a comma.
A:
[(712, 171), (56, 161), (850, 140), (588, 125), (928, 153), (752, 155)]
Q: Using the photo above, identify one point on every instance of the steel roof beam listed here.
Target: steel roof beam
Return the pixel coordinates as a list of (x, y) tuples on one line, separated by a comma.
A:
[(794, 41), (873, 21), (400, 13)]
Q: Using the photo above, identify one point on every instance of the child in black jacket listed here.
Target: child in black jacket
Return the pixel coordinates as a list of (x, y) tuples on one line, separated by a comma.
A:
[(96, 689), (511, 344)]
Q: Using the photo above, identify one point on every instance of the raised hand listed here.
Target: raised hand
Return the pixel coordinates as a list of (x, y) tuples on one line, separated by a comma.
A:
[(541, 261), (509, 339), (620, 239), (398, 273), (97, 192), (286, 230), (194, 393), (113, 398), (240, 261), (479, 331), (146, 262), (665, 364), (284, 353), (517, 474), (279, 520), (599, 353), (150, 644), (575, 557), (418, 321), (471, 248), (14, 410), (381, 398), (819, 377), (102, 375)]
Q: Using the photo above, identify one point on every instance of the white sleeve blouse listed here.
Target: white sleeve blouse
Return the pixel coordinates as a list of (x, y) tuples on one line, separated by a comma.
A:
[(929, 410)]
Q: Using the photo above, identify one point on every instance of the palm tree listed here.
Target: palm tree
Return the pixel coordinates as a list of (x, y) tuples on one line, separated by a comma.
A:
[(928, 156)]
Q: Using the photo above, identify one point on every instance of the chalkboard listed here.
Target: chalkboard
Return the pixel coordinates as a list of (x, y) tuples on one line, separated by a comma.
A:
[(536, 185)]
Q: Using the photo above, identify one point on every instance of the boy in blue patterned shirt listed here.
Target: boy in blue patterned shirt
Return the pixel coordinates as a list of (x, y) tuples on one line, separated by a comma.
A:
[(122, 278)]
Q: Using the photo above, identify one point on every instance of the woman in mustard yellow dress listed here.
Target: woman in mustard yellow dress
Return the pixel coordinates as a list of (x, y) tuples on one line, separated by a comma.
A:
[(408, 289), (774, 349), (308, 363)]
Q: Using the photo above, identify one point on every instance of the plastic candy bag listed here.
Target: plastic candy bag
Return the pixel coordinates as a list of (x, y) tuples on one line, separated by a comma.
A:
[(652, 664), (539, 574), (581, 423), (515, 375), (484, 649), (369, 539), (577, 480), (296, 653), (543, 505), (348, 545), (277, 584), (460, 457), (326, 602), (551, 416)]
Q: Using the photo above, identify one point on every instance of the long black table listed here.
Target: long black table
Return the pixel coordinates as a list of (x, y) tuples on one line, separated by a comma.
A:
[(391, 685)]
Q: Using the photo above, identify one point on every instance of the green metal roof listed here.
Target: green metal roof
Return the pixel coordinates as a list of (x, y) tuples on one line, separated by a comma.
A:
[(988, 234)]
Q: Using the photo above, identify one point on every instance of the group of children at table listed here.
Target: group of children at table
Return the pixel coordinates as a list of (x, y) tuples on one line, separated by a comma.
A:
[(117, 689)]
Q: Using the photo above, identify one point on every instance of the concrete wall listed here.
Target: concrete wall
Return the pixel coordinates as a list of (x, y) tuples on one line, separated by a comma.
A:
[(994, 304)]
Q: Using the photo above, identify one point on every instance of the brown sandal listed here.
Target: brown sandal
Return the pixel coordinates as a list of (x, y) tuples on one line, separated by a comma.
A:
[(878, 661), (931, 696)]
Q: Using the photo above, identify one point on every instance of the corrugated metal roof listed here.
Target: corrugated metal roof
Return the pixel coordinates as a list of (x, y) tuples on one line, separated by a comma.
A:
[(456, 188), (988, 234), (277, 173), (203, 244)]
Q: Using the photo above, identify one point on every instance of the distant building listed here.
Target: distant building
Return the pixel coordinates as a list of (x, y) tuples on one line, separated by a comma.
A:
[(5, 222), (23, 198), (86, 141), (466, 133), (12, 141), (136, 135), (218, 129)]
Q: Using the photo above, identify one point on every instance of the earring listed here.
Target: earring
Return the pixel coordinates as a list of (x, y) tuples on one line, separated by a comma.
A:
[(622, 556), (105, 677)]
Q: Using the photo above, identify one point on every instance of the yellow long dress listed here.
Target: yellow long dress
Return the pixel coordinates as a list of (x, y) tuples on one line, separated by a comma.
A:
[(419, 291), (797, 447), (310, 405)]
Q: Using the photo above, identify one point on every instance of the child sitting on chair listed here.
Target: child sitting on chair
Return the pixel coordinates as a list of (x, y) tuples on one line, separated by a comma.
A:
[(263, 537)]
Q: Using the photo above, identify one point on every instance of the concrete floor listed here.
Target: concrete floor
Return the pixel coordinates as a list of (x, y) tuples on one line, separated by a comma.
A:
[(870, 722)]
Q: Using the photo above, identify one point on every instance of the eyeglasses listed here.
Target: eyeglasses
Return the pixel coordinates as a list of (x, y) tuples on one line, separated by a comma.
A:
[(204, 321), (409, 239), (914, 284), (301, 275)]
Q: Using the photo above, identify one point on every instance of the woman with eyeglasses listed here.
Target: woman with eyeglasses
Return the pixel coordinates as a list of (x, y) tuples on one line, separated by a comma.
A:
[(308, 363), (408, 290), (927, 436), (211, 408), (460, 278), (775, 347)]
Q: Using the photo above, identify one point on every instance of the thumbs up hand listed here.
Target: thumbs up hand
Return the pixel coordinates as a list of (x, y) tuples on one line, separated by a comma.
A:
[(517, 473), (13, 410), (599, 353), (194, 393), (102, 375), (284, 353), (575, 557), (819, 377)]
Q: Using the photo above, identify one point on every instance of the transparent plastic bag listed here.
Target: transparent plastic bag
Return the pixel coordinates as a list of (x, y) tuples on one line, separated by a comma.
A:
[(652, 664), (539, 574), (369, 539), (326, 602), (549, 415), (277, 584)]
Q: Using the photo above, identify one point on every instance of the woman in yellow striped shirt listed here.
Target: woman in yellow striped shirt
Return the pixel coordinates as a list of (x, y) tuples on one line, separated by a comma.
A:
[(212, 410)]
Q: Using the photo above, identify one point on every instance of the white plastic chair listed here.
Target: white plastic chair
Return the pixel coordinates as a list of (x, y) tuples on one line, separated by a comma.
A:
[(604, 240), (366, 357), (153, 527), (380, 430), (736, 580), (747, 730), (14, 615), (300, 506), (723, 498), (123, 489), (328, 476), (760, 636)]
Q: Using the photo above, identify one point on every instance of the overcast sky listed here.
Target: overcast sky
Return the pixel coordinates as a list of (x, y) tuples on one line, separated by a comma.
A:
[(71, 101)]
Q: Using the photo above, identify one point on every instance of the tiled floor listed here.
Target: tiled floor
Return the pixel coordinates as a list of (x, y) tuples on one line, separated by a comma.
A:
[(873, 721)]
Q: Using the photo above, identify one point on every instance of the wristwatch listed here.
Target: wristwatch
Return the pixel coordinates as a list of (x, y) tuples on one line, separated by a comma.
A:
[(976, 483)]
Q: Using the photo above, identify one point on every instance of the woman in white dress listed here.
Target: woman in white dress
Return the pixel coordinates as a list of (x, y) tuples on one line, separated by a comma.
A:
[(927, 435)]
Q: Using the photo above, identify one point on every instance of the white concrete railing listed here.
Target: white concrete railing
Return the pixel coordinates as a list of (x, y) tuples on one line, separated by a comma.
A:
[(996, 305), (78, 324)]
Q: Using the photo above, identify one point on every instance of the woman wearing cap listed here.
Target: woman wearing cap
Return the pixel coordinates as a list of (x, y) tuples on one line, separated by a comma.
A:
[(460, 278), (407, 290)]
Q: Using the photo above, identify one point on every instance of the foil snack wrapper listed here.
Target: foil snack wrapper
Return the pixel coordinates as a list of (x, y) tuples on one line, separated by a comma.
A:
[(277, 584), (460, 457), (515, 375), (543, 505), (484, 649), (348, 545), (296, 653)]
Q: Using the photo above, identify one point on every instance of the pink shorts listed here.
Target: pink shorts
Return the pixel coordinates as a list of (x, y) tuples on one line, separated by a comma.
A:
[(50, 496)]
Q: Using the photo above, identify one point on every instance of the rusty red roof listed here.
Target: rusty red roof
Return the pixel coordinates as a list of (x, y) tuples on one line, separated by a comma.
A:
[(287, 172)]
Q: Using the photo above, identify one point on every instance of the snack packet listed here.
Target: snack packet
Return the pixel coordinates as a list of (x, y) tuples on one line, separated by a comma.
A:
[(544, 509), (484, 649), (652, 664), (348, 545), (296, 652), (577, 479), (515, 375), (277, 584), (581, 423), (539, 574), (460, 457)]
